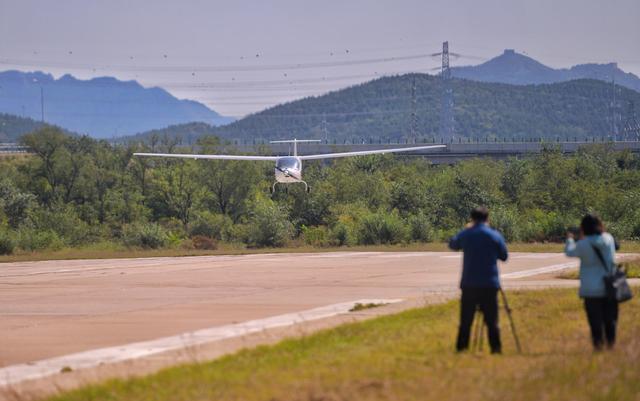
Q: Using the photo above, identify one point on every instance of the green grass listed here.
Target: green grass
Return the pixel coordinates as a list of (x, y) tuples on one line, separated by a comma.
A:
[(409, 356), (359, 306), (109, 250)]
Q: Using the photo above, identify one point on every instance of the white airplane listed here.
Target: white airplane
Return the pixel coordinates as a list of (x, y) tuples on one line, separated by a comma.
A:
[(288, 169)]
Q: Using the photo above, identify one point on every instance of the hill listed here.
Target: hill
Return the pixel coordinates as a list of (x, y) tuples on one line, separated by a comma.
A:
[(381, 110), (518, 69), (101, 107), (13, 127)]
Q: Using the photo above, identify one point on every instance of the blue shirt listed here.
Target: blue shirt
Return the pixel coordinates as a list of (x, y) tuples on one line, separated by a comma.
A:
[(482, 247)]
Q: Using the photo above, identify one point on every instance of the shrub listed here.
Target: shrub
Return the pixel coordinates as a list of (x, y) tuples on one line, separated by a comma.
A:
[(205, 243), (217, 226), (546, 226), (381, 228), (268, 225), (143, 235), (342, 234), (317, 236), (506, 221), (64, 221), (7, 243), (420, 228), (33, 239)]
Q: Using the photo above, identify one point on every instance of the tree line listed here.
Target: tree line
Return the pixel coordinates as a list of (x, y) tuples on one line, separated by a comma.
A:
[(74, 191)]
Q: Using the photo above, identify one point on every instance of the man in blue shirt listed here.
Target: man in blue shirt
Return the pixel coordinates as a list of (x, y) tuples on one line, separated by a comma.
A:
[(482, 247)]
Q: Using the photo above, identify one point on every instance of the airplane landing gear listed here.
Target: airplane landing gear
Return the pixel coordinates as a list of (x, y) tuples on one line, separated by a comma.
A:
[(272, 189)]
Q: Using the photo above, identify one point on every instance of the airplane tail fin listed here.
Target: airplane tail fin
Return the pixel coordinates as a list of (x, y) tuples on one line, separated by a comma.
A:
[(295, 143)]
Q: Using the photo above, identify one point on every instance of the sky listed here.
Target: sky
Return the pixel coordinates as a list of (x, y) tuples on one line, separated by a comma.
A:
[(240, 57)]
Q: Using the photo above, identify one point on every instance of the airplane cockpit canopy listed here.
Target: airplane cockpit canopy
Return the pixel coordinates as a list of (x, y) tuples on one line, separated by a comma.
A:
[(288, 163)]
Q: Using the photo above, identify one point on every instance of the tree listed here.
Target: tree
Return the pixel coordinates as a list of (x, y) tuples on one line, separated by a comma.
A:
[(177, 189)]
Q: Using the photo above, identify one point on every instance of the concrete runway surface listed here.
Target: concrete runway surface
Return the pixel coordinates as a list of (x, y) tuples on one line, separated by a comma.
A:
[(56, 308)]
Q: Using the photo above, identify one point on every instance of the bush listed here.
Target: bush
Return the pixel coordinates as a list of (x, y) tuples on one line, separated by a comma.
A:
[(7, 243), (506, 221), (342, 234), (268, 225), (212, 225), (142, 235), (381, 228), (420, 228), (205, 243), (69, 228), (33, 239), (546, 226), (317, 236)]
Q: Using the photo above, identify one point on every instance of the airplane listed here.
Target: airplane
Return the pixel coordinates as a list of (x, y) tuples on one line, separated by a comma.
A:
[(288, 169)]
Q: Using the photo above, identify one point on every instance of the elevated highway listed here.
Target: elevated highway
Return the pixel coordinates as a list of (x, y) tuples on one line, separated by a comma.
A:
[(454, 152)]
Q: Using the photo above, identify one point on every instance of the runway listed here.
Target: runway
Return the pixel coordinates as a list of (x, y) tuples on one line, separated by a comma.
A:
[(55, 308)]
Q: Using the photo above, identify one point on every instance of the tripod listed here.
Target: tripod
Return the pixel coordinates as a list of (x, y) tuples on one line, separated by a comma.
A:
[(513, 326), (477, 341)]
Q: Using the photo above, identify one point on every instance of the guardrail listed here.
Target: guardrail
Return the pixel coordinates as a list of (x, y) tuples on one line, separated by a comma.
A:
[(13, 148), (454, 152)]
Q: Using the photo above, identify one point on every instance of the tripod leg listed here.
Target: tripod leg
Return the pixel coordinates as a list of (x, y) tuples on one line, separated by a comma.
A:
[(513, 326), (478, 326)]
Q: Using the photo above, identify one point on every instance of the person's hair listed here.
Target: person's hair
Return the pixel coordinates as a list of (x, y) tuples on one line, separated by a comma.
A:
[(591, 224), (480, 214)]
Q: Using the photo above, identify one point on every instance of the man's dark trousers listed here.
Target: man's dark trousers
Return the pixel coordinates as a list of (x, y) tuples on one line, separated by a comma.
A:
[(486, 299)]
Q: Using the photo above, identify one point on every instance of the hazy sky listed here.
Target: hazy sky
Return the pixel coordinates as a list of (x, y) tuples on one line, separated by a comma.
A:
[(192, 48)]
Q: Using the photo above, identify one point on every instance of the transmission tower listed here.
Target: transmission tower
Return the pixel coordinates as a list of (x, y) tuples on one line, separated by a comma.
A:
[(325, 131), (446, 112), (631, 130), (414, 112), (614, 108)]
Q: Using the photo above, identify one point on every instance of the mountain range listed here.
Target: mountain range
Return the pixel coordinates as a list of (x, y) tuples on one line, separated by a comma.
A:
[(101, 107), (509, 96), (381, 110), (517, 69)]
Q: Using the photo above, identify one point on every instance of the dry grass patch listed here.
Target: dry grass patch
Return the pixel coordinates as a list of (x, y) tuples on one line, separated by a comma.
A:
[(409, 356)]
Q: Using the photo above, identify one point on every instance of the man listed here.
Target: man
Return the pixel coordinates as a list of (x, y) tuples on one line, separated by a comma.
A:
[(482, 247)]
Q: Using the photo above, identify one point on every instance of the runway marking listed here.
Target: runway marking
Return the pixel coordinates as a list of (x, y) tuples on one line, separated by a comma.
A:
[(535, 256), (540, 270), (82, 360)]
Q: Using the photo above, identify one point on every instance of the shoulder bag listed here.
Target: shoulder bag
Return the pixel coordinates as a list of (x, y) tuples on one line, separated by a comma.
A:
[(615, 283)]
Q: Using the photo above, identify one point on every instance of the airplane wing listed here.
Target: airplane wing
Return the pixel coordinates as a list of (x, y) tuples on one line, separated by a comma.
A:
[(369, 152), (213, 157)]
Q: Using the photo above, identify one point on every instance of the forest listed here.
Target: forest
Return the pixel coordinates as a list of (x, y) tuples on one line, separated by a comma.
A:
[(72, 191)]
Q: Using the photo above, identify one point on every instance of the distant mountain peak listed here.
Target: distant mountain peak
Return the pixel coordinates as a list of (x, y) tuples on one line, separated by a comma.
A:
[(515, 68), (101, 107)]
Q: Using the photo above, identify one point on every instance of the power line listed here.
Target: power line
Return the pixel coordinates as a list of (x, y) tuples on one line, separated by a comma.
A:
[(213, 68)]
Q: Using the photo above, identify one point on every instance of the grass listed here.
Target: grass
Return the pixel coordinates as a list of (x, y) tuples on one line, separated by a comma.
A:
[(109, 250), (409, 356), (632, 267), (359, 306)]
